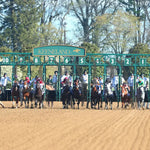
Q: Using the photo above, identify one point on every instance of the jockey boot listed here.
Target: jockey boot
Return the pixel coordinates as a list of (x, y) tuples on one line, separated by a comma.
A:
[(63, 106), (78, 106)]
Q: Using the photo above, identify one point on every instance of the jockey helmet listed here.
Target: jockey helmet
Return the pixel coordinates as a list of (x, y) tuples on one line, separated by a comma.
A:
[(36, 77), (140, 83), (27, 78), (41, 81), (28, 81), (21, 81), (5, 74)]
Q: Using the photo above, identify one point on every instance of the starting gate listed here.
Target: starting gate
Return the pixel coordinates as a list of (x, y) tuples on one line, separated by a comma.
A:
[(60, 55)]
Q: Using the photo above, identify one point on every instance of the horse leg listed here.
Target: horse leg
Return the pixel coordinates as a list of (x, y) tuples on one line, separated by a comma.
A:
[(21, 100), (2, 104), (106, 102), (111, 101), (73, 102), (40, 102), (27, 101), (13, 103), (24, 98), (17, 99)]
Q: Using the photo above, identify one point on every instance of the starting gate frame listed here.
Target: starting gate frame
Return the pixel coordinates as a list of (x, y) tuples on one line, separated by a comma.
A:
[(89, 60)]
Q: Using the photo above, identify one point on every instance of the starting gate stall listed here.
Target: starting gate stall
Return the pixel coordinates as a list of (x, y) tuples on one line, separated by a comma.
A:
[(73, 57)]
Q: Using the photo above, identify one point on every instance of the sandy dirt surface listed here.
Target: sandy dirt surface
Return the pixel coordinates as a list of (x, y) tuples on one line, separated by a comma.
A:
[(83, 129)]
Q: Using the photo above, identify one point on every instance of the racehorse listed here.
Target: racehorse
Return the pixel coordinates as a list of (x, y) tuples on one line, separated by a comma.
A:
[(38, 94), (108, 93), (76, 93), (21, 85), (125, 95), (15, 93), (96, 97), (140, 96), (65, 96), (26, 93)]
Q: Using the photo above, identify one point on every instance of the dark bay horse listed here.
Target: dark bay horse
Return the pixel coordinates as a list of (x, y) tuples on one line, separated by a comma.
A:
[(38, 94), (65, 96), (76, 93), (15, 93), (95, 97), (125, 95)]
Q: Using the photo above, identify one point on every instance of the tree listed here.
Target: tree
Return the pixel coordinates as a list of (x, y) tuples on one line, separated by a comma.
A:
[(140, 49), (86, 12), (117, 32), (138, 8), (19, 24)]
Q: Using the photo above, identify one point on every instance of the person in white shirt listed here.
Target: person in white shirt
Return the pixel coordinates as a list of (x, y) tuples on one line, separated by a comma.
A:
[(1, 95), (84, 87), (4, 81), (54, 80)]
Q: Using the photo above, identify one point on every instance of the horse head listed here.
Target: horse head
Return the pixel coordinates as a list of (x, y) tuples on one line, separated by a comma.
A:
[(25, 84)]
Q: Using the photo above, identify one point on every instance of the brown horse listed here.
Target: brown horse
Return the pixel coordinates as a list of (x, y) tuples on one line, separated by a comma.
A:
[(76, 93), (125, 95), (26, 94), (38, 95), (15, 93), (95, 98)]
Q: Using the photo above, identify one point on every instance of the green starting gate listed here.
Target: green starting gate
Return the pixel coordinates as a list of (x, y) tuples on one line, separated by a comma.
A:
[(60, 55)]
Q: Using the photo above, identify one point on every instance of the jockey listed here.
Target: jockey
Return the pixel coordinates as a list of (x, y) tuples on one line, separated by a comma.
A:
[(63, 83), (76, 85), (144, 80), (15, 80), (140, 83), (34, 80), (66, 75), (27, 79), (108, 93)]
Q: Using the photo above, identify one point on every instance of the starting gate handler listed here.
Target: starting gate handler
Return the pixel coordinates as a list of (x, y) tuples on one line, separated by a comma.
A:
[(4, 81)]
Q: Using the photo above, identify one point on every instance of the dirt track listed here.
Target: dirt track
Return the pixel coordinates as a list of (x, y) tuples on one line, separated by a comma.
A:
[(59, 129)]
